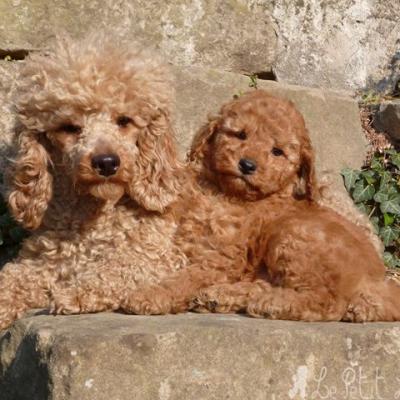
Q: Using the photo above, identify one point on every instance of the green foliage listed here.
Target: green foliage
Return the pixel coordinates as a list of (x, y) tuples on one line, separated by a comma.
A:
[(376, 191), (253, 81), (371, 97), (252, 84), (11, 234)]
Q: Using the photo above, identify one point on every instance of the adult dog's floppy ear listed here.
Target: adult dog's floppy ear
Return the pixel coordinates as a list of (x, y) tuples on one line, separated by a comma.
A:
[(155, 183), (31, 182), (201, 140)]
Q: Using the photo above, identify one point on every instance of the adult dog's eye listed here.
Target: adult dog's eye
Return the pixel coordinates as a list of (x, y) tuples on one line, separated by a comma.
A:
[(70, 128), (277, 152), (241, 135), (123, 121)]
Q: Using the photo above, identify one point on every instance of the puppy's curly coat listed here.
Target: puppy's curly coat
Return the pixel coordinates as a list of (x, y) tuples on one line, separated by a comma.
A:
[(284, 256)]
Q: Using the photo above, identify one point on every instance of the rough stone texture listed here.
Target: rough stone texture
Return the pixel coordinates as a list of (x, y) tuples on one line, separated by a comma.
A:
[(232, 35), (8, 84), (387, 119), (343, 44), (185, 357), (338, 44)]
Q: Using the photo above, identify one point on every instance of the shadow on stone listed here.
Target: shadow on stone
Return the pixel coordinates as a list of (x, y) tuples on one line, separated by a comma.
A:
[(26, 378)]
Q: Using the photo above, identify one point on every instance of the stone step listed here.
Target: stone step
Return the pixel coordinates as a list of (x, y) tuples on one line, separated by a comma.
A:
[(184, 357)]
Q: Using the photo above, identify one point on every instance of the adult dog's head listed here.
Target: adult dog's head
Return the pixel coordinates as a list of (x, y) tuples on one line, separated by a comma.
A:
[(99, 113), (257, 146)]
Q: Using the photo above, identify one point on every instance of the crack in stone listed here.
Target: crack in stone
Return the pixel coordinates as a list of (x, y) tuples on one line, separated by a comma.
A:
[(18, 54)]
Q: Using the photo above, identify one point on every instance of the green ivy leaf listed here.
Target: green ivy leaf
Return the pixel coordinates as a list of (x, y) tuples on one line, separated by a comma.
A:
[(375, 224), (388, 235), (390, 152), (392, 205), (392, 188), (381, 196), (363, 193), (386, 179), (391, 260), (376, 192), (388, 219), (395, 159), (377, 164), (364, 208), (369, 176), (350, 177)]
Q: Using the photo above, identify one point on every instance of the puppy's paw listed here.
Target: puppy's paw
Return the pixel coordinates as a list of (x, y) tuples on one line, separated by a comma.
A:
[(149, 301), (199, 305), (263, 308), (357, 313), (212, 299), (270, 307)]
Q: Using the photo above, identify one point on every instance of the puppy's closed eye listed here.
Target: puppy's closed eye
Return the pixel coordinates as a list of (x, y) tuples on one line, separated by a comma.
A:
[(70, 128)]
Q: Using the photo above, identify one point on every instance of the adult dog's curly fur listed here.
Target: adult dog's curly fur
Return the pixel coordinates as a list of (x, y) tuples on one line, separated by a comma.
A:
[(92, 234), (283, 256)]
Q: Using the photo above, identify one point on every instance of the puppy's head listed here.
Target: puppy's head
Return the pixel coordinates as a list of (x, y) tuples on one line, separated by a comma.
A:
[(257, 146), (100, 113)]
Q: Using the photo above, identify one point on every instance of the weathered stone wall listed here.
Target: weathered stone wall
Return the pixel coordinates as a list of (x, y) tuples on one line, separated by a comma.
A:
[(231, 35), (341, 44)]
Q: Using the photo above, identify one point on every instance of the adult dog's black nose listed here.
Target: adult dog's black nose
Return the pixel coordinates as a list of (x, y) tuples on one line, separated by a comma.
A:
[(106, 164), (247, 167)]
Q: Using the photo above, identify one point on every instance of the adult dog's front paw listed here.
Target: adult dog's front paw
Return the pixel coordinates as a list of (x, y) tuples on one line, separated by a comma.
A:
[(149, 301), (65, 302), (6, 320), (203, 304)]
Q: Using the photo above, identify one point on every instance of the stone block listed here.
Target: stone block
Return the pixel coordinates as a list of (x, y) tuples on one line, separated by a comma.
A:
[(191, 357), (231, 35)]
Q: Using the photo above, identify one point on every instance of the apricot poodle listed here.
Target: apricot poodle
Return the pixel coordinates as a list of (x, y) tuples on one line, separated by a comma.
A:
[(93, 178), (283, 255)]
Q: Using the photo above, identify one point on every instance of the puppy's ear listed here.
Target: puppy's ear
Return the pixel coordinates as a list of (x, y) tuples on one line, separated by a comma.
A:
[(202, 139), (30, 181), (155, 182), (307, 186)]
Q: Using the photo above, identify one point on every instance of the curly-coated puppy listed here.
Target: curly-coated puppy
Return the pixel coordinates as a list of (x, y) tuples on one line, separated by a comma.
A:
[(95, 171), (220, 224), (317, 266)]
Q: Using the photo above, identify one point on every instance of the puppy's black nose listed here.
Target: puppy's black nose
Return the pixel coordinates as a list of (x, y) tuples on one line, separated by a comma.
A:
[(247, 167), (106, 164)]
